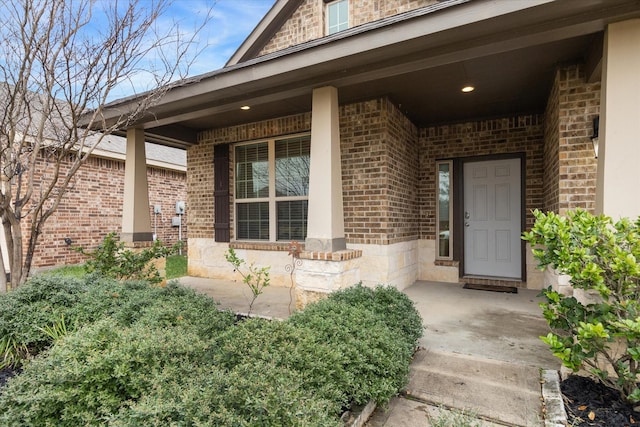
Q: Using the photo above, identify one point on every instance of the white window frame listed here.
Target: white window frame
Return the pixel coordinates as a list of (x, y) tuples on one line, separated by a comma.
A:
[(450, 218), (271, 199), (329, 6)]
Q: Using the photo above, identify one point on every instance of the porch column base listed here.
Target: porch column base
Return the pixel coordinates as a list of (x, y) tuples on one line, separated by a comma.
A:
[(136, 237), (324, 272), (325, 245), (138, 246)]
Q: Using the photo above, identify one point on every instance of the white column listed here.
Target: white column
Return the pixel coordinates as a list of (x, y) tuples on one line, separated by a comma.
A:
[(325, 224), (619, 136), (136, 220)]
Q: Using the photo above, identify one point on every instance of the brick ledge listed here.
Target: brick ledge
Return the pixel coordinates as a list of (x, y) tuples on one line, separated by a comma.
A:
[(344, 255), (262, 246)]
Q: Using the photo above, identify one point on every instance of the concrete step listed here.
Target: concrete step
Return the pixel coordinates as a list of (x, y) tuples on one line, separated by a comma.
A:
[(503, 392)]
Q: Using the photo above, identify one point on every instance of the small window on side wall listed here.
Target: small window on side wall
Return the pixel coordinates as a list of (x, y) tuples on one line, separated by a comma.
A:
[(444, 210), (337, 16)]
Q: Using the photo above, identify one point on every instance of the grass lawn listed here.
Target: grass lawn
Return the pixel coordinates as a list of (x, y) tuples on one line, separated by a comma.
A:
[(176, 266)]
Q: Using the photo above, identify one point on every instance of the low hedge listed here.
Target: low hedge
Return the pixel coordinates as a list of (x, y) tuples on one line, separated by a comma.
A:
[(47, 301), (154, 358)]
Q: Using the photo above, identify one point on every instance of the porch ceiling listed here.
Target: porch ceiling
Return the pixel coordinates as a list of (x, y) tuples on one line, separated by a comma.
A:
[(507, 50)]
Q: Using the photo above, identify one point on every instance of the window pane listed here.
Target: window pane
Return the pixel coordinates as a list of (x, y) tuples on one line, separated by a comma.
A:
[(337, 16), (253, 221), (292, 166), (444, 223), (252, 171), (292, 220)]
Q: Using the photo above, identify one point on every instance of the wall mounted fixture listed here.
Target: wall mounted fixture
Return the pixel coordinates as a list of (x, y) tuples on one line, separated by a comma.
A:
[(68, 241), (594, 138)]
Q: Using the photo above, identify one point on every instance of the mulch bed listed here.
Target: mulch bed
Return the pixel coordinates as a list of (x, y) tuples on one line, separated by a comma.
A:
[(5, 374), (589, 403)]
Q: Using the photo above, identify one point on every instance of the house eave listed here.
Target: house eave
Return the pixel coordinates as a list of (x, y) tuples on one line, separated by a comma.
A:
[(469, 30)]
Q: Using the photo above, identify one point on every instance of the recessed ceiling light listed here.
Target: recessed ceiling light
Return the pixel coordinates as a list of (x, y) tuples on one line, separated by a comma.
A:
[(245, 107), (468, 89)]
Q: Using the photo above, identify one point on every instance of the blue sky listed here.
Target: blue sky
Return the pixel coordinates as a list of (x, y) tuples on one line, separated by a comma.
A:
[(230, 24)]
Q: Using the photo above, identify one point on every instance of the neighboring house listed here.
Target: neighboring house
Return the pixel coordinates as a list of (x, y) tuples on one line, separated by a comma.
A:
[(344, 124), (92, 207)]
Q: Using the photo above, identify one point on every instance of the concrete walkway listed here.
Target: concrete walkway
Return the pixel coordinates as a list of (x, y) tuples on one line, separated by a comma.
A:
[(480, 352)]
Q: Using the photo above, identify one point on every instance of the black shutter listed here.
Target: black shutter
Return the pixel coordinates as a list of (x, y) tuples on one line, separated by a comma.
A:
[(221, 192)]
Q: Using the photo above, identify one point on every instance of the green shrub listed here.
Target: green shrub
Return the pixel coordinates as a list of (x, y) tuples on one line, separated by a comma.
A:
[(601, 257), (393, 307), (113, 259), (143, 355), (89, 376), (27, 313), (367, 359)]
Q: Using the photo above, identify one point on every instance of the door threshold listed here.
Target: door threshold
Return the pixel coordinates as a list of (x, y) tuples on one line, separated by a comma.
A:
[(493, 281)]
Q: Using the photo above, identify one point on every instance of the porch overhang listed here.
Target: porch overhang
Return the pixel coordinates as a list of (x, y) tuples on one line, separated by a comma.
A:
[(507, 49)]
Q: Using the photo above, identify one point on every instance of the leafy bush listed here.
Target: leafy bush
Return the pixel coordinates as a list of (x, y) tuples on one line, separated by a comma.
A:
[(113, 259), (393, 307), (601, 257), (144, 355), (88, 377), (27, 313), (365, 359)]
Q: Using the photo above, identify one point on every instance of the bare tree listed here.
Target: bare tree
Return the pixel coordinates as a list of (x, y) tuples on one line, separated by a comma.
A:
[(61, 61)]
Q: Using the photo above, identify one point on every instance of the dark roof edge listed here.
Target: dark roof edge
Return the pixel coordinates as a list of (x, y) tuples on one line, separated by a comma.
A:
[(264, 31)]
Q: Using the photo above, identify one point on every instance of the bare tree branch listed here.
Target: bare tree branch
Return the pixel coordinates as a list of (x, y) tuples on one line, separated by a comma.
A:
[(60, 63)]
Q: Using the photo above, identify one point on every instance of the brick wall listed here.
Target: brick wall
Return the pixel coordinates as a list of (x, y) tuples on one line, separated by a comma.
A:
[(379, 166), (200, 165), (521, 134), (308, 21), (578, 103), (551, 149), (93, 208)]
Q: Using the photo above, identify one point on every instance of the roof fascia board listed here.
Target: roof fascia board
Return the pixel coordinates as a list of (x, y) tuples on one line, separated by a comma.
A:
[(438, 31), (248, 74)]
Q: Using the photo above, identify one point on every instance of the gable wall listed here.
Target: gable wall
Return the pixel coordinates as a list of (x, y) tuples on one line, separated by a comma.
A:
[(308, 22)]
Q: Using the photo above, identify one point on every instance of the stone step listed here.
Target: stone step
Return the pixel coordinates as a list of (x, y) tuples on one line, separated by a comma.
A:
[(504, 392)]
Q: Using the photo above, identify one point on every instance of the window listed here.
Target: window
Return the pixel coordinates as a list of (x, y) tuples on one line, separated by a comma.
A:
[(444, 209), (272, 189), (337, 16)]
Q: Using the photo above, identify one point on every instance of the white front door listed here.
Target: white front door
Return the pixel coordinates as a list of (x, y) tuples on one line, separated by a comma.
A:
[(492, 218)]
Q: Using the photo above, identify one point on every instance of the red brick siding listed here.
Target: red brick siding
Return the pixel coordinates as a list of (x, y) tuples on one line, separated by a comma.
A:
[(521, 134), (92, 208)]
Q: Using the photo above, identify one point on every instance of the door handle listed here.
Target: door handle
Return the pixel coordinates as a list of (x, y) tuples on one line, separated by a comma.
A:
[(466, 224), (467, 215)]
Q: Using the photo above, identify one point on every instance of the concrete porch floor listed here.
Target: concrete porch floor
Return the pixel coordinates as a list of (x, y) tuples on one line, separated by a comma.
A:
[(480, 351)]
